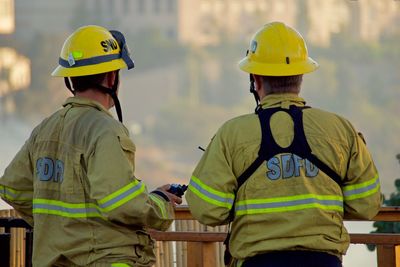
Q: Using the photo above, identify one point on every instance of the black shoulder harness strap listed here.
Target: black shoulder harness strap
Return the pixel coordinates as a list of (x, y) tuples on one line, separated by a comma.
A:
[(269, 148)]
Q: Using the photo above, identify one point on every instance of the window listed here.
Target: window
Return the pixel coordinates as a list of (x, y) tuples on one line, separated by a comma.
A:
[(156, 6), (171, 6), (111, 7), (141, 6), (126, 7)]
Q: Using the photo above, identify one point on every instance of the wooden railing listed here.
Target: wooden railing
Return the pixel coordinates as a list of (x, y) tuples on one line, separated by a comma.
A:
[(199, 246), (202, 250), (15, 240)]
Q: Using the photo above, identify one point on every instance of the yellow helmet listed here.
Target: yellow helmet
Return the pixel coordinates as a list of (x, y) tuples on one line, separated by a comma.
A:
[(277, 50), (92, 50)]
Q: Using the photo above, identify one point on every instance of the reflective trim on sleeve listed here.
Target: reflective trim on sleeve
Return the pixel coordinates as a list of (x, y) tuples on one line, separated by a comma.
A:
[(89, 210), (120, 265), (121, 196), (70, 210), (161, 204), (15, 195), (361, 190), (2, 192), (211, 195), (290, 203)]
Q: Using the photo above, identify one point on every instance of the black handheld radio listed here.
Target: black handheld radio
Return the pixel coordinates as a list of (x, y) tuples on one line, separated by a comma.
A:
[(177, 189)]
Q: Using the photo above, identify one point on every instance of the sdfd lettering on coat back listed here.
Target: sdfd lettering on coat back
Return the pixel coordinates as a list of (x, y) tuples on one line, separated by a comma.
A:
[(49, 169), (288, 166)]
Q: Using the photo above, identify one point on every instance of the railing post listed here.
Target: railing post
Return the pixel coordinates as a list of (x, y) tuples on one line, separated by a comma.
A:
[(386, 256), (201, 254), (28, 247), (5, 239)]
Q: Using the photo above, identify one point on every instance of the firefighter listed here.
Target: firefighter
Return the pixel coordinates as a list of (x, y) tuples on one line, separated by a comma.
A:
[(287, 175), (74, 180)]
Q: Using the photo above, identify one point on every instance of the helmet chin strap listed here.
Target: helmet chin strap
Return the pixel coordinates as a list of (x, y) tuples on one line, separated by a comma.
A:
[(113, 93), (114, 96), (68, 85), (254, 92)]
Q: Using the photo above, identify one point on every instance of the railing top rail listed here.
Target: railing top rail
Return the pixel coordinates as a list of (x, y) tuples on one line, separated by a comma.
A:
[(386, 214), (11, 222), (187, 236)]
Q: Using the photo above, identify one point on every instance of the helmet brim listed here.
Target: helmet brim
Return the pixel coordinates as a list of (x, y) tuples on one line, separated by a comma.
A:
[(264, 69)]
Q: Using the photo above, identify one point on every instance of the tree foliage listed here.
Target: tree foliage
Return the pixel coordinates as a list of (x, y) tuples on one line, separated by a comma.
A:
[(389, 227)]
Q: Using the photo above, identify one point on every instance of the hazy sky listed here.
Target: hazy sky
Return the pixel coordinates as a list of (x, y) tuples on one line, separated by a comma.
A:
[(166, 35)]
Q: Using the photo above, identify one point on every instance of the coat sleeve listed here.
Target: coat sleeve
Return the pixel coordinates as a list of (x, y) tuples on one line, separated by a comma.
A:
[(361, 190), (211, 189), (16, 186), (120, 196)]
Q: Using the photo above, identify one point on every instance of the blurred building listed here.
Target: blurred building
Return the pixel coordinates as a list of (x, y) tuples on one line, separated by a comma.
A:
[(15, 75), (43, 17), (207, 22), (325, 19), (133, 16), (14, 68), (203, 22), (14, 71), (7, 17), (377, 18)]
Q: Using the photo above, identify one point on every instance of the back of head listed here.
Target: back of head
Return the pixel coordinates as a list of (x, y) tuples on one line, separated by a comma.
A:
[(88, 54), (277, 53)]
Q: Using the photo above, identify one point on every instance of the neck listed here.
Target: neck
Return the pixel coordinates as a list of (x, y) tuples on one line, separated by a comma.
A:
[(95, 95)]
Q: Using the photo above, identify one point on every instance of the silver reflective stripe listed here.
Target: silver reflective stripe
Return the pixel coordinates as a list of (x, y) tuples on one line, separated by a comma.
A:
[(65, 209), (291, 204), (11, 194), (121, 196), (209, 194), (361, 190)]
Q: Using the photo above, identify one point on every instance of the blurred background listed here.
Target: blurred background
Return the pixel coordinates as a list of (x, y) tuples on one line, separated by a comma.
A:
[(186, 82)]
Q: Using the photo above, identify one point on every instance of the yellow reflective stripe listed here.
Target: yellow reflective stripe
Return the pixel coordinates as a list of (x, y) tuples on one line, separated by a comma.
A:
[(120, 265), (211, 195), (289, 203), (12, 194), (289, 198), (290, 208), (84, 210), (160, 204), (361, 190), (66, 214), (70, 210), (361, 185), (121, 196), (362, 195), (212, 190)]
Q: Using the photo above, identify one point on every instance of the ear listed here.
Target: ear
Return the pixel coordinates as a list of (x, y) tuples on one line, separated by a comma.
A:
[(258, 82), (110, 78)]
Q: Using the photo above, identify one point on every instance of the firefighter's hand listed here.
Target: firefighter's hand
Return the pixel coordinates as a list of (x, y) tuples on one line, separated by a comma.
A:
[(173, 198)]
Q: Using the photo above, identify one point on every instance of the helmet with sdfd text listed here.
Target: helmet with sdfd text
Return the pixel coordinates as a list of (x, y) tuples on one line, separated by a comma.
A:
[(92, 50)]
